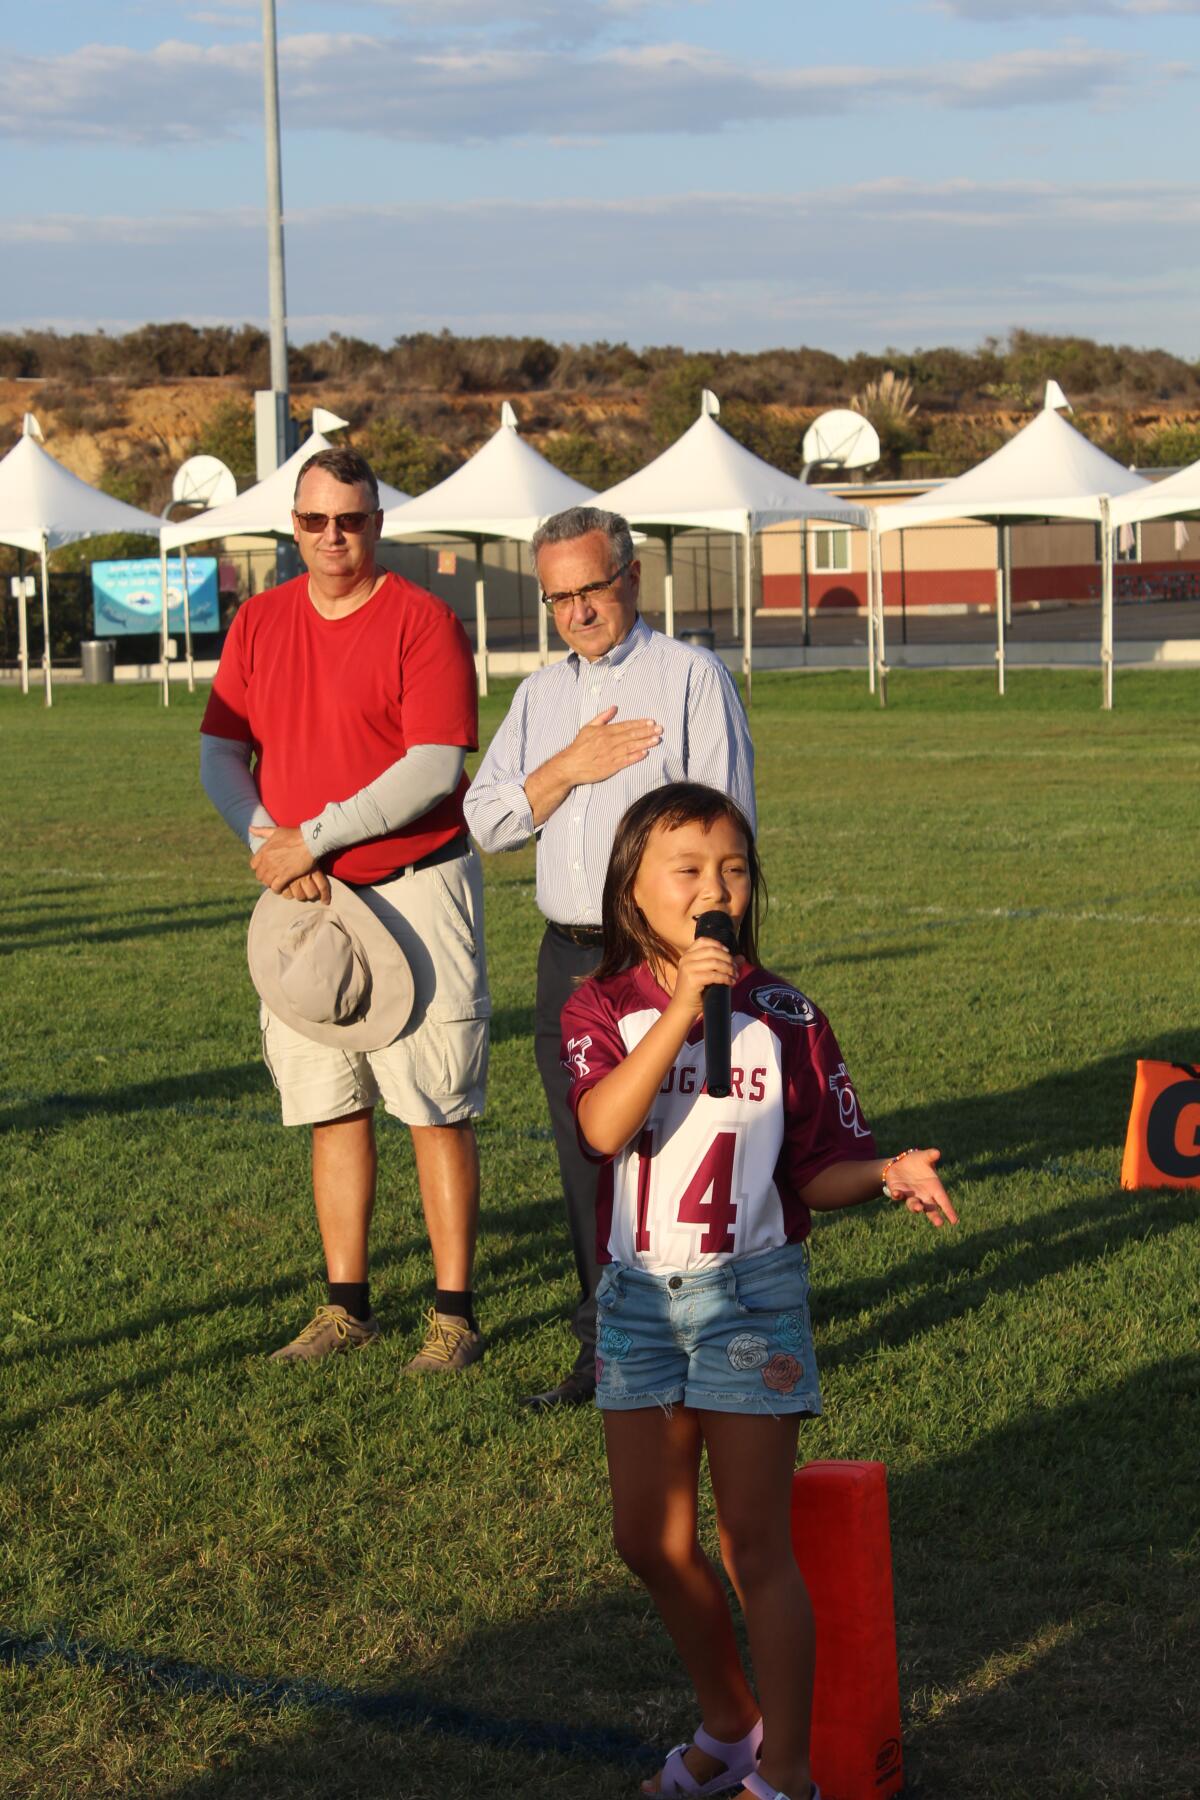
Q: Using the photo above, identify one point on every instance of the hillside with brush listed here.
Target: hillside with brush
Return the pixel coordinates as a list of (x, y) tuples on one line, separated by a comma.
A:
[(124, 411)]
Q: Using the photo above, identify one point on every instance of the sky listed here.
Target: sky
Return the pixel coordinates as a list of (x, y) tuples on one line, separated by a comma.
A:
[(720, 174)]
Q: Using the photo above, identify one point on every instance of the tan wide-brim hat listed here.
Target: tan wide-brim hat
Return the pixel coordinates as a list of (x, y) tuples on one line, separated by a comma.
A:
[(334, 973)]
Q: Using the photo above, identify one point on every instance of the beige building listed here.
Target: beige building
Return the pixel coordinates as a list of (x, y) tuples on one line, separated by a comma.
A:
[(951, 567)]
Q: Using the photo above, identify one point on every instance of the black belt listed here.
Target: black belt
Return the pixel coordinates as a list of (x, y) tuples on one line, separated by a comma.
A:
[(587, 937), (448, 852)]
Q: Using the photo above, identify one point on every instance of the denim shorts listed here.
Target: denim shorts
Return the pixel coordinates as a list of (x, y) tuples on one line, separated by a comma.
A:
[(735, 1338)]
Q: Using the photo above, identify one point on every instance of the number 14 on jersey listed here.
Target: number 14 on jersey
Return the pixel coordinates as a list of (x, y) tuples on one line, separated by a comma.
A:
[(707, 1200)]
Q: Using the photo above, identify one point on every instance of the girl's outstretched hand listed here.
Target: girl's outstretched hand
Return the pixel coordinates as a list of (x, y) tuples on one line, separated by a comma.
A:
[(703, 964), (914, 1183)]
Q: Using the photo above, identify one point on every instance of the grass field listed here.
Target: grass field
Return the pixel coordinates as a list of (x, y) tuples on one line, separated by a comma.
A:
[(224, 1578)]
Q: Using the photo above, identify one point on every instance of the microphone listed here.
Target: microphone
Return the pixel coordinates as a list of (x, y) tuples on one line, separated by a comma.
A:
[(718, 1009)]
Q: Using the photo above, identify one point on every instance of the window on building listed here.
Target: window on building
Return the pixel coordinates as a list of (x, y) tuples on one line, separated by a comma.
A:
[(831, 552), (1127, 544)]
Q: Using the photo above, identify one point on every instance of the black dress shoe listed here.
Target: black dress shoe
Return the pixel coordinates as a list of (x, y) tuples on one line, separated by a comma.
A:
[(576, 1389)]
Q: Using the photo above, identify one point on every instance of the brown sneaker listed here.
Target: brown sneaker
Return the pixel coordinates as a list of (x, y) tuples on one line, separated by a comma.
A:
[(449, 1344), (330, 1329)]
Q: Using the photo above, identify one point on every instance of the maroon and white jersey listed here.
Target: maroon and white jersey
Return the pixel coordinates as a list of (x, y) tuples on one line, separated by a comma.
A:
[(708, 1180)]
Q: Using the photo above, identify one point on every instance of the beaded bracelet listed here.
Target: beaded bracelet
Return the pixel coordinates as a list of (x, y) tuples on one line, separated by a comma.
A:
[(888, 1166)]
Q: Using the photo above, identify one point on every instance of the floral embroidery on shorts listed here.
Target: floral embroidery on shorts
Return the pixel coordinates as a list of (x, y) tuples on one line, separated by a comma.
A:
[(614, 1342), (599, 1370), (747, 1350), (782, 1373), (791, 1330)]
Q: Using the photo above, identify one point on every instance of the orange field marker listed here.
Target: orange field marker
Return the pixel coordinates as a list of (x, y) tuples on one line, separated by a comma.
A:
[(1162, 1144)]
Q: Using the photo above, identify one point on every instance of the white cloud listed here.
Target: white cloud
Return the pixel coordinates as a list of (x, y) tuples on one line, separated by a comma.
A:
[(859, 266), (556, 22), (387, 87), (1000, 10)]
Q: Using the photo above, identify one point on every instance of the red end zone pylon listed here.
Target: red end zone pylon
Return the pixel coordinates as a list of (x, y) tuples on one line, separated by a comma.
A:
[(842, 1543)]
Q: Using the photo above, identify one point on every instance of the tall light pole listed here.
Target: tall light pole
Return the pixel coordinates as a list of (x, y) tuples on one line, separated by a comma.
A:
[(277, 294)]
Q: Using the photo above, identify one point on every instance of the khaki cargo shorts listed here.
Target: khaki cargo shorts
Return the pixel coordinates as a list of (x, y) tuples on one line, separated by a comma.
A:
[(436, 1070)]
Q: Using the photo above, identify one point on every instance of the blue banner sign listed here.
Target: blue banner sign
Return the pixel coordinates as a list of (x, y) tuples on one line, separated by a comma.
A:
[(127, 596)]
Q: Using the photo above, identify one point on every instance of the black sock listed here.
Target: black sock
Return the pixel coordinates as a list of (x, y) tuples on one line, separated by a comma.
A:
[(446, 1300), (355, 1296)]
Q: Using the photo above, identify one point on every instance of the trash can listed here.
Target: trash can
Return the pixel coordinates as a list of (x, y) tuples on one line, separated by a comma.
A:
[(99, 657), (703, 635)]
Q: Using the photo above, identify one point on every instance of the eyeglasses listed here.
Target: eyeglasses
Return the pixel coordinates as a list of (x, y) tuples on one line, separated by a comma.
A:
[(352, 522), (591, 590)]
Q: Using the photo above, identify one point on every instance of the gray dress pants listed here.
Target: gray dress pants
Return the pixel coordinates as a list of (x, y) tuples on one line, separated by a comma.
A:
[(561, 967)]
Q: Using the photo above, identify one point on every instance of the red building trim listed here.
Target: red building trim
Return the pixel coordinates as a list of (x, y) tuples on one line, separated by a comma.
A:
[(973, 587)]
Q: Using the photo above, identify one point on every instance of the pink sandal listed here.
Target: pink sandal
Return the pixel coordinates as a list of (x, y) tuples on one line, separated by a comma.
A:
[(762, 1790), (740, 1759)]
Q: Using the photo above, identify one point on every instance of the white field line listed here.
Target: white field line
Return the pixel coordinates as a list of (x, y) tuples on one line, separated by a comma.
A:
[(936, 918), (790, 903), (1089, 916), (121, 877), (209, 885)]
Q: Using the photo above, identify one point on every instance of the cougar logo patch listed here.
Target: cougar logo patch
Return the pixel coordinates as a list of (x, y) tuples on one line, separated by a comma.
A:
[(785, 1003)]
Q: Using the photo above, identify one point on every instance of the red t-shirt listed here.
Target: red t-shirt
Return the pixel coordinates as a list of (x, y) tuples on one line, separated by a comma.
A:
[(329, 704), (708, 1180)]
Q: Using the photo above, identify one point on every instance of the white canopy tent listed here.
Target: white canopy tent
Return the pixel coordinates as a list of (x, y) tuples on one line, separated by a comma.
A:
[(43, 506), (1167, 499), (1047, 471), (504, 491), (264, 510), (707, 481)]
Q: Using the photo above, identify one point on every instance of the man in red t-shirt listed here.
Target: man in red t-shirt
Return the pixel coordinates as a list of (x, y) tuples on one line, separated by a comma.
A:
[(333, 743)]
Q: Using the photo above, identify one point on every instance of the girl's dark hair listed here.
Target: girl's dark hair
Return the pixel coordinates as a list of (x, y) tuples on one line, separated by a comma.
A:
[(628, 939)]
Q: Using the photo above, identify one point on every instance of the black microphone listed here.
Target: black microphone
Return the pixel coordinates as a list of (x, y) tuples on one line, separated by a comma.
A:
[(718, 1009)]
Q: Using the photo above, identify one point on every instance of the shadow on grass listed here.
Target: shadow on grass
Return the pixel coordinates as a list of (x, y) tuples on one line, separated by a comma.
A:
[(40, 901), (982, 1135), (538, 1256), (1026, 1130), (481, 1724), (52, 1349), (52, 893), (961, 1274), (512, 1022), (799, 972), (235, 1348), (1045, 1615), (1045, 1577), (526, 1260), (164, 922), (46, 902), (1025, 1127), (170, 1093), (530, 1224)]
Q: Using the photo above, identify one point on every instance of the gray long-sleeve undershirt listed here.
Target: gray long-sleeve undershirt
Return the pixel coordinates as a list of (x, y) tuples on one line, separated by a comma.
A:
[(405, 791)]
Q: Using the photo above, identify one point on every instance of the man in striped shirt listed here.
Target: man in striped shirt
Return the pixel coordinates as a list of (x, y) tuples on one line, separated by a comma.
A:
[(626, 710)]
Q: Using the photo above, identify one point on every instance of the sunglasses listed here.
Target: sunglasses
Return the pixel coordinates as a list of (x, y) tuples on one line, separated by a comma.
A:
[(352, 522)]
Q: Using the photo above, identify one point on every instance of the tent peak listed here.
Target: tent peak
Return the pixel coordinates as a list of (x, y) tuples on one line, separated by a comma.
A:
[(31, 428), (1056, 400), (324, 421), (710, 406), (508, 416)]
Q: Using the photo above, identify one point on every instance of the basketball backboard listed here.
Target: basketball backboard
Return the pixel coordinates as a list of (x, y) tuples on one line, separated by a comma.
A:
[(841, 439), (203, 481)]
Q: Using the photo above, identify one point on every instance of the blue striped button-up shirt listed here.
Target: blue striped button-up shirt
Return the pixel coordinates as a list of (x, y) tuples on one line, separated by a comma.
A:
[(647, 676)]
